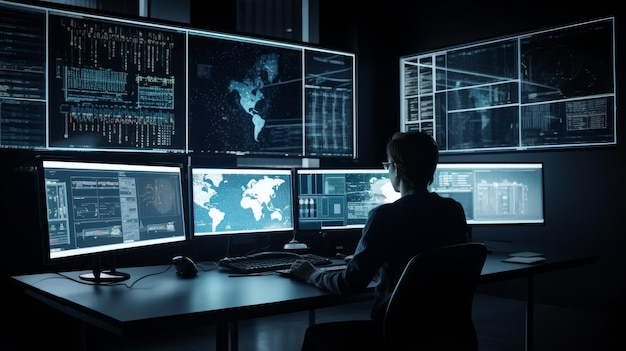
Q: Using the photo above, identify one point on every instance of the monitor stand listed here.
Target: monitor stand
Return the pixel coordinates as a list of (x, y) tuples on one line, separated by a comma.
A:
[(295, 244), (106, 276), (99, 275)]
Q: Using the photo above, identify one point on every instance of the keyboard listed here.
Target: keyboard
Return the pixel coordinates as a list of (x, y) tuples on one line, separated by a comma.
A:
[(269, 261)]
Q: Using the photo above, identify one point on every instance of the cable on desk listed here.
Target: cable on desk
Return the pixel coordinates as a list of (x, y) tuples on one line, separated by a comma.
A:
[(202, 265), (145, 276), (114, 283)]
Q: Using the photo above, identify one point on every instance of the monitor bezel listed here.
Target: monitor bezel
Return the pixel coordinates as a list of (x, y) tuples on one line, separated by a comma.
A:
[(333, 170), (185, 139), (547, 140), (504, 165), (107, 250), (236, 233)]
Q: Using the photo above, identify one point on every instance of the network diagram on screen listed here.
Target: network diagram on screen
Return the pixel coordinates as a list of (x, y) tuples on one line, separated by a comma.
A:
[(552, 88), (81, 82), (238, 200)]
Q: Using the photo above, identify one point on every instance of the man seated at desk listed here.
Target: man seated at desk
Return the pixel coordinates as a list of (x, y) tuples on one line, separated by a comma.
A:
[(419, 220)]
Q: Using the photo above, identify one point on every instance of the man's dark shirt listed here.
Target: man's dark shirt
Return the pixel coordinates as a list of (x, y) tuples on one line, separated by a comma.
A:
[(393, 234)]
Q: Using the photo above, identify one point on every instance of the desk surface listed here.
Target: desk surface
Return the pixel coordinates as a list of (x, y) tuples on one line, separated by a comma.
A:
[(159, 298), (496, 270)]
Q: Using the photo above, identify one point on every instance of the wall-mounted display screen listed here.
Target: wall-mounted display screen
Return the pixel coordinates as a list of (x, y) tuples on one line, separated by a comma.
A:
[(23, 70), (552, 88), (84, 82), (245, 98), (241, 200), (265, 98), (115, 85), (340, 198), (494, 193)]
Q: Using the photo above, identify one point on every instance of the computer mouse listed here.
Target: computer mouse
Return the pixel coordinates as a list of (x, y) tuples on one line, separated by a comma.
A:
[(185, 267)]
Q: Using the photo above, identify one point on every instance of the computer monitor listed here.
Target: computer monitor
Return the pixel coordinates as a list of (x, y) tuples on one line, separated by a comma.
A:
[(340, 198), (490, 193), (494, 193), (241, 200), (92, 209)]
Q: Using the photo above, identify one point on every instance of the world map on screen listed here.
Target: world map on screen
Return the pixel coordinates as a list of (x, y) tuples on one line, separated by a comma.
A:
[(251, 88), (245, 98), (240, 202)]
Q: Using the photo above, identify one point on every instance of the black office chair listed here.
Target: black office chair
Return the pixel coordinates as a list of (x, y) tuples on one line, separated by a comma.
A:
[(429, 309)]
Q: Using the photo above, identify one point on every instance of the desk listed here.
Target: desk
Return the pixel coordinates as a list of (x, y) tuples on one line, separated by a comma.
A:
[(162, 300), (495, 270)]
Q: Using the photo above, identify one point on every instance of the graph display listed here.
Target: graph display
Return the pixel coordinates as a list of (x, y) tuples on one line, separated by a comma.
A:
[(553, 88)]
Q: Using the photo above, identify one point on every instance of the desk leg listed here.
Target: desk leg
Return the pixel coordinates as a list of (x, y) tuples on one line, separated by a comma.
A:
[(221, 336), (234, 336), (80, 331), (529, 314), (227, 336)]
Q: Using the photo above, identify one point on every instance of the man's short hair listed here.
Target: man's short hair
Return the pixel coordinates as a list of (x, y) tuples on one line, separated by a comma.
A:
[(415, 155)]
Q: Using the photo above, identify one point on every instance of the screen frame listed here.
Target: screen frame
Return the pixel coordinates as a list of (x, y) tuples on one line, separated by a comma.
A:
[(237, 233), (502, 166), (334, 170), (317, 75), (529, 119), (50, 257)]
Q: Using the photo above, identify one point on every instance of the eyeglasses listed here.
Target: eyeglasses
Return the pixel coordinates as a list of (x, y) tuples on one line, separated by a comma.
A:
[(386, 165)]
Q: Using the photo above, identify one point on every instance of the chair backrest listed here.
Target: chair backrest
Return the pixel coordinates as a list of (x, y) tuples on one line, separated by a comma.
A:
[(431, 306)]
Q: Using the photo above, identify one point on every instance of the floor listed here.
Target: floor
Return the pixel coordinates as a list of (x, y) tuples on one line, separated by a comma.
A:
[(499, 322)]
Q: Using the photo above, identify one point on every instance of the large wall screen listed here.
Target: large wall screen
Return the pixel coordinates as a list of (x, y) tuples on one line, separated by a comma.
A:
[(251, 97), (114, 85), (84, 82), (548, 89)]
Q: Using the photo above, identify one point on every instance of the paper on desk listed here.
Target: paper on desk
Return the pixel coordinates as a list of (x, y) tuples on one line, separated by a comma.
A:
[(526, 254), (527, 260)]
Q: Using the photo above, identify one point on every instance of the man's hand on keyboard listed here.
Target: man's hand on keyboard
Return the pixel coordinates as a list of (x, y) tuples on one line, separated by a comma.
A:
[(302, 269)]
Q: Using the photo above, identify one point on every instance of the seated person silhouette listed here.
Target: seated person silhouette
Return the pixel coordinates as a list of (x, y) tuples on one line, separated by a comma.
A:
[(395, 232)]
